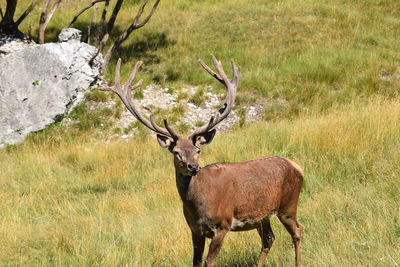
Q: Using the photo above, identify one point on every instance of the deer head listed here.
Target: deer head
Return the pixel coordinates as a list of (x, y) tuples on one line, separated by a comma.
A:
[(185, 150)]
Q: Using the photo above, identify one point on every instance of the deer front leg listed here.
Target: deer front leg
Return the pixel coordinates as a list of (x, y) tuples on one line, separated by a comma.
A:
[(198, 249), (215, 246)]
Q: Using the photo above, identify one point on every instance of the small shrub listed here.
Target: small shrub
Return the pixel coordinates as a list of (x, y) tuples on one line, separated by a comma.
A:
[(198, 98), (275, 110), (131, 126), (182, 96), (242, 117), (106, 112), (138, 94), (86, 119), (118, 112), (199, 123), (158, 78), (117, 130), (179, 109), (172, 74), (97, 95), (183, 127), (171, 90), (242, 99)]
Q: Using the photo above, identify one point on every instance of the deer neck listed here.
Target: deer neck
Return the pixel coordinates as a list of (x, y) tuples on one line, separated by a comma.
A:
[(182, 182)]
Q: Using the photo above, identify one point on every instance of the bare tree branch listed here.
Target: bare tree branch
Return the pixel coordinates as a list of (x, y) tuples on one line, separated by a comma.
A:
[(26, 13), (45, 18), (149, 16), (135, 25), (94, 15), (104, 14), (42, 21), (110, 26), (83, 10), (100, 30), (140, 12), (111, 22)]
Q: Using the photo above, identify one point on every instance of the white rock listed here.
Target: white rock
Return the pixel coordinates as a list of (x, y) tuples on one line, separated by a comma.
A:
[(40, 83)]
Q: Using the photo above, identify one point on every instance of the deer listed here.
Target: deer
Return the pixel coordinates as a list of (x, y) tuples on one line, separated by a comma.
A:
[(223, 197)]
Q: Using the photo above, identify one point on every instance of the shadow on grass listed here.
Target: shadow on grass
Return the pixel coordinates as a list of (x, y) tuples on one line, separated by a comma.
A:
[(99, 188), (141, 46), (138, 46), (53, 32), (144, 48)]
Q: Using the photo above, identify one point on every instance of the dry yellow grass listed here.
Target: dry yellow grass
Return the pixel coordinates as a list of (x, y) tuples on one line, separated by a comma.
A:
[(95, 204)]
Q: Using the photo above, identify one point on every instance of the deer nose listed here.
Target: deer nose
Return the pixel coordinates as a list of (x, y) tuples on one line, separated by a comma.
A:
[(193, 166)]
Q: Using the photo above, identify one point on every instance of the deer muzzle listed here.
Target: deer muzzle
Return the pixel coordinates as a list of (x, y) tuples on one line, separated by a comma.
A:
[(193, 168)]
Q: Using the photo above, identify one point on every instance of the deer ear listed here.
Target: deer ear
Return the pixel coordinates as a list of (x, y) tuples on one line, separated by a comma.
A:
[(164, 141), (204, 138)]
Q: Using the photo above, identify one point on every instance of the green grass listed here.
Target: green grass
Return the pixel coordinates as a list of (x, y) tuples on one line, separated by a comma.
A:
[(84, 202), (315, 54)]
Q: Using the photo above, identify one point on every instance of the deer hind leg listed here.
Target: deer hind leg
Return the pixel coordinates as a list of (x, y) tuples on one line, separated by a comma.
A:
[(293, 227), (267, 238), (215, 246)]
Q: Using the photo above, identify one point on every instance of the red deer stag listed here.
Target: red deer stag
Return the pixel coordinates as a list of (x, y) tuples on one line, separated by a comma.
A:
[(224, 197)]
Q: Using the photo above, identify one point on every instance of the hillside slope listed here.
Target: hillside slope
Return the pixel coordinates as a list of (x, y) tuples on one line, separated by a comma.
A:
[(313, 54)]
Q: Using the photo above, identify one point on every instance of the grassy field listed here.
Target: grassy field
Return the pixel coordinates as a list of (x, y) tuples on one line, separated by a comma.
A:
[(69, 198), (86, 203), (313, 54)]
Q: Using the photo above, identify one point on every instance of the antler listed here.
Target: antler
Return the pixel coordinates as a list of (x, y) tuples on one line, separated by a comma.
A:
[(124, 92), (231, 86)]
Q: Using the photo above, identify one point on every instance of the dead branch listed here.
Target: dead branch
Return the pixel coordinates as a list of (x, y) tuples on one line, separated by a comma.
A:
[(109, 28), (135, 25), (26, 13), (105, 10), (45, 18), (101, 25), (83, 10)]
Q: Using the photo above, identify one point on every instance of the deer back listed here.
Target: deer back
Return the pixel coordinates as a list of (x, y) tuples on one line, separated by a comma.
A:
[(243, 193)]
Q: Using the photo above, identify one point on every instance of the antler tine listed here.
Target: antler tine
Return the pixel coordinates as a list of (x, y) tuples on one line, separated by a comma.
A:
[(235, 71), (210, 71), (133, 74), (170, 130), (203, 129), (220, 69), (231, 86), (125, 94), (117, 85)]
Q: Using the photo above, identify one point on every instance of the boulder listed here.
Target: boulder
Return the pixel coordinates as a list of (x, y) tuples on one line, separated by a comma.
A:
[(40, 83)]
